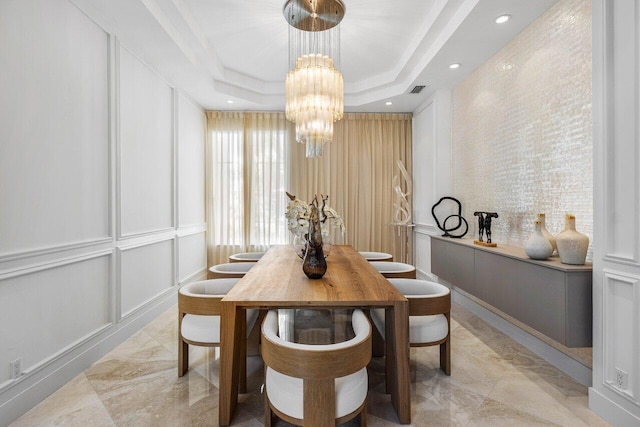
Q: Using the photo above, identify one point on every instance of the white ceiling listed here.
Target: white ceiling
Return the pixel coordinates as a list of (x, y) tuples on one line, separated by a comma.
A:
[(220, 50)]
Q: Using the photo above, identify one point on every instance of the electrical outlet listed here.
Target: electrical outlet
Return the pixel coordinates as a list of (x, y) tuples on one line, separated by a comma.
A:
[(621, 379), (16, 368)]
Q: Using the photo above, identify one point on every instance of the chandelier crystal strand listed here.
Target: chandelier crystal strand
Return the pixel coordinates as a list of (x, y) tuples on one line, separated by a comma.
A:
[(314, 86)]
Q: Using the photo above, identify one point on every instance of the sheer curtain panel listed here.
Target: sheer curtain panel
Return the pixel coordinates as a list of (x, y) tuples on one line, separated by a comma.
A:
[(247, 176)]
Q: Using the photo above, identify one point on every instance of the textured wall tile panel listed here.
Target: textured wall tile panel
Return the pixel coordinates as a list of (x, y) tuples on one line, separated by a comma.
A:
[(521, 129)]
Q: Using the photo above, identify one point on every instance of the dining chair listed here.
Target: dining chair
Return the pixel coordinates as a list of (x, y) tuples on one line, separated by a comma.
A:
[(199, 320), (316, 385), (376, 256), (230, 270), (246, 257), (395, 270), (429, 316)]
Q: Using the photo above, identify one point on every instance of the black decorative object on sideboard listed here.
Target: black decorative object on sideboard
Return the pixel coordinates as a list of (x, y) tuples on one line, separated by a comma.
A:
[(443, 226)]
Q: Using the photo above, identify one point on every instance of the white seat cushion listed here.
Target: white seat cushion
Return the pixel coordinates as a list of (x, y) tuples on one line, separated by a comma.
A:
[(247, 256), (232, 267), (198, 328), (376, 256), (206, 329), (392, 267), (285, 393), (422, 329)]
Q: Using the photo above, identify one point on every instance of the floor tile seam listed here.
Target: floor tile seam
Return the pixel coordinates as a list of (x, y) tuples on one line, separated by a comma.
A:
[(98, 396)]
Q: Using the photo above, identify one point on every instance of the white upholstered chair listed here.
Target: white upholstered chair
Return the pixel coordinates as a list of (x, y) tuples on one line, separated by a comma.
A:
[(376, 256), (199, 319), (230, 270), (316, 385), (395, 270), (246, 257), (429, 316)]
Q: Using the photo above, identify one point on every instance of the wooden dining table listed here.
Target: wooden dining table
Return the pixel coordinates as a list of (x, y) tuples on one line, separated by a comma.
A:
[(277, 281)]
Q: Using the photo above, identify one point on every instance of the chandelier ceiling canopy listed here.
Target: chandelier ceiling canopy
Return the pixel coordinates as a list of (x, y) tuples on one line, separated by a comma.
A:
[(314, 85)]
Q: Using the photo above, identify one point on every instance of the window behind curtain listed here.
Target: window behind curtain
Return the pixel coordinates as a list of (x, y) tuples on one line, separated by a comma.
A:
[(249, 158)]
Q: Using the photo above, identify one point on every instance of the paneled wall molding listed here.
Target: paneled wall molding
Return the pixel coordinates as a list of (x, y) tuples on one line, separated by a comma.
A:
[(621, 260), (53, 249), (150, 124), (47, 265), (143, 305), (621, 294), (428, 229), (622, 108), (615, 394), (159, 232), (196, 276), (188, 230), (34, 369), (146, 240)]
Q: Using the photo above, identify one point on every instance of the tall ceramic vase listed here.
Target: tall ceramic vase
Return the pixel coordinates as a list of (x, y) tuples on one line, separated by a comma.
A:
[(572, 245), (314, 265), (543, 229), (537, 246)]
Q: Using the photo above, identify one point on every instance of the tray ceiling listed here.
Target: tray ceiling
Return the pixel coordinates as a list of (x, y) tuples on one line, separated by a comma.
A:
[(237, 50)]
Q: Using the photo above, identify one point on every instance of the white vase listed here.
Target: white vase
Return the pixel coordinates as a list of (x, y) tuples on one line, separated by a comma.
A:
[(538, 246), (572, 245), (545, 232)]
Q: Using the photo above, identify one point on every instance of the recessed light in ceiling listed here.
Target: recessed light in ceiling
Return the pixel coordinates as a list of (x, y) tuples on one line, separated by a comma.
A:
[(388, 103), (502, 19), (229, 101), (454, 66)]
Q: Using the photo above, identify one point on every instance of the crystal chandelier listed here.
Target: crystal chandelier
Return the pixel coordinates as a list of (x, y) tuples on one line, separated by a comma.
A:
[(314, 86)]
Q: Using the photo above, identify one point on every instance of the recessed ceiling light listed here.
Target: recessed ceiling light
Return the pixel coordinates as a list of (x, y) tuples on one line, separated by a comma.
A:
[(229, 101), (454, 66), (502, 19), (388, 103)]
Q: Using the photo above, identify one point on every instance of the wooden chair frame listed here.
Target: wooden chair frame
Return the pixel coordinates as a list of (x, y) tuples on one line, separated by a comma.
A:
[(318, 369), (423, 306), (206, 305)]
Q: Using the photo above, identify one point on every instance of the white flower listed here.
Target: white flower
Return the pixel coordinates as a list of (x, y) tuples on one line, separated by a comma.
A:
[(298, 214)]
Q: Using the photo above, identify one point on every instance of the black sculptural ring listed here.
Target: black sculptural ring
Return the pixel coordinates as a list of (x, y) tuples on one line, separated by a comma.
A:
[(461, 219)]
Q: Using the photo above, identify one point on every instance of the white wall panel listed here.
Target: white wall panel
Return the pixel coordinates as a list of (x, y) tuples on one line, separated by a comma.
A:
[(431, 172), (616, 267), (191, 134), (54, 154), (146, 148), (621, 333), (145, 272), (45, 311), (192, 252), (623, 96)]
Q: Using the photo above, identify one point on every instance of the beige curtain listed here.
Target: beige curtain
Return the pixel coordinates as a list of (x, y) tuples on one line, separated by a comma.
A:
[(253, 159), (356, 171)]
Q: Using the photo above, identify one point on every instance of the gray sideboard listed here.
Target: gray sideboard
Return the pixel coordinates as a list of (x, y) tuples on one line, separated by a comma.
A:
[(550, 297)]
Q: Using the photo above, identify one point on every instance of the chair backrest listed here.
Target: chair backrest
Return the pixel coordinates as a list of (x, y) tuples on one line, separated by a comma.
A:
[(376, 256), (425, 297), (395, 269), (246, 257), (204, 297), (316, 362), (230, 269)]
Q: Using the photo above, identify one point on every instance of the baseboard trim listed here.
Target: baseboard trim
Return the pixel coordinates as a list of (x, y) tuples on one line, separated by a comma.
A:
[(610, 411), (18, 400), (566, 364)]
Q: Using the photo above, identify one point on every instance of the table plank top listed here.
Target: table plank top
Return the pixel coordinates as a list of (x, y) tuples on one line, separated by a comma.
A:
[(278, 280)]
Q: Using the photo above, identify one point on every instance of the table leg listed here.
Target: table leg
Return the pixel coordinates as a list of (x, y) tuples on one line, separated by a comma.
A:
[(397, 349), (231, 318)]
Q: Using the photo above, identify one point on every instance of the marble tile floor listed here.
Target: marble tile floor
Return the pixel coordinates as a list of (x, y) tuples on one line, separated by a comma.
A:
[(495, 382)]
